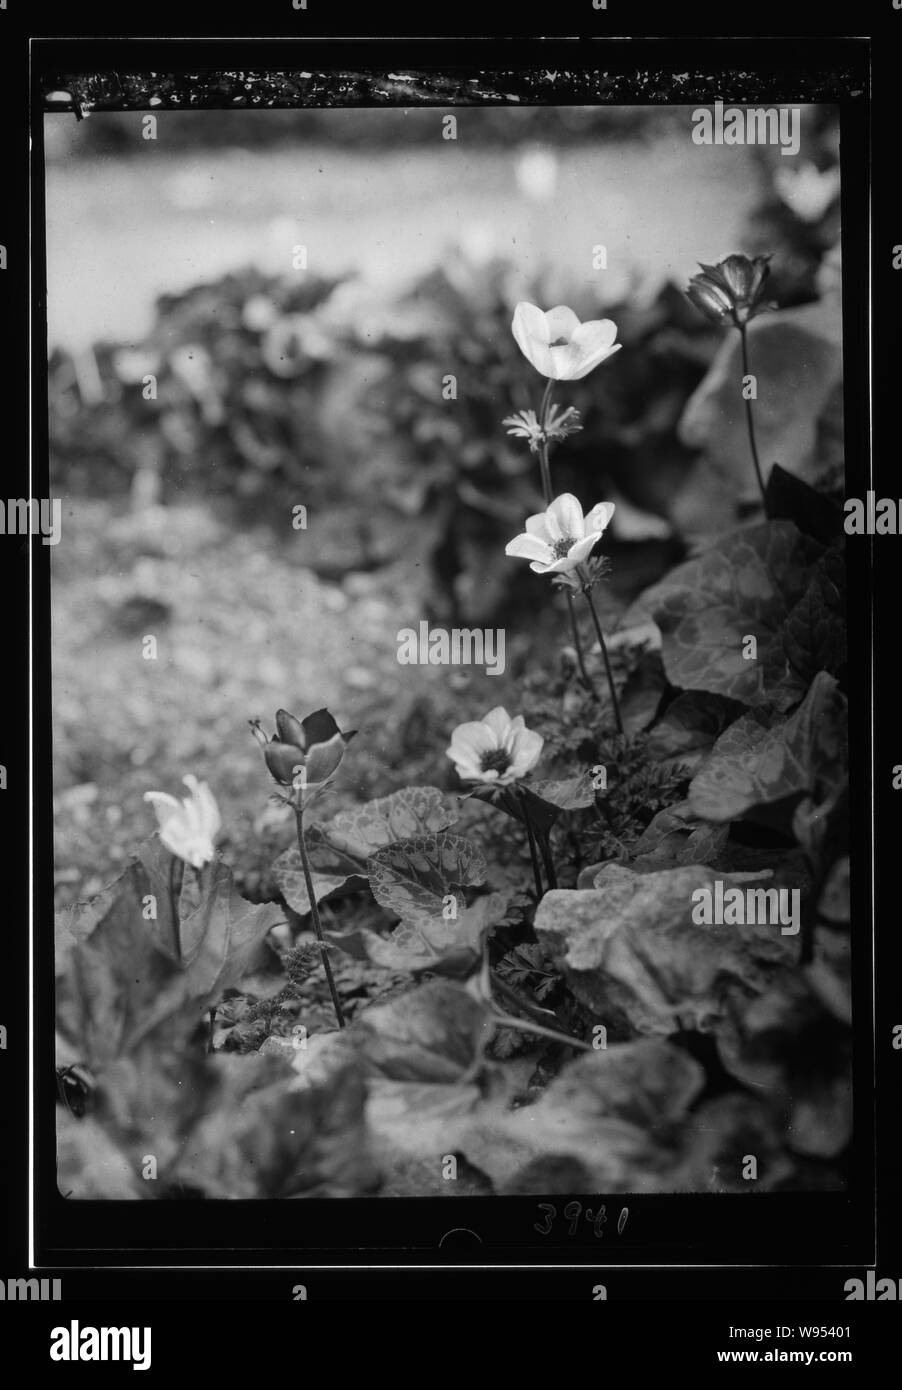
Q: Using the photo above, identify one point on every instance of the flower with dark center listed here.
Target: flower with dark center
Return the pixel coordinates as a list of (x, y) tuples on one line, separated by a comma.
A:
[(494, 749), (559, 539)]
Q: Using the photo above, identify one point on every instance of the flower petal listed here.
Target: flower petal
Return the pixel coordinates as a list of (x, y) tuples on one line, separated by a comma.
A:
[(561, 322), (498, 720), (319, 727), (526, 547), (526, 752), (577, 553), (290, 729), (599, 518), (566, 514), (537, 525), (530, 331)]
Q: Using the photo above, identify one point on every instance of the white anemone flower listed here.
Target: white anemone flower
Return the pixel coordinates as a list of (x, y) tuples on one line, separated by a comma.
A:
[(495, 748), (188, 827), (558, 345), (559, 539)]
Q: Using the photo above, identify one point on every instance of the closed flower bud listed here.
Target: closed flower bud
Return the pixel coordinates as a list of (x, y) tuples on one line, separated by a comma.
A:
[(304, 753), (733, 287)]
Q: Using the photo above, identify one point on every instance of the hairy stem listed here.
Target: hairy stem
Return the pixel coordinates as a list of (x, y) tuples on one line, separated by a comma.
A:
[(749, 419), (577, 643), (607, 660), (544, 465), (531, 836), (314, 912)]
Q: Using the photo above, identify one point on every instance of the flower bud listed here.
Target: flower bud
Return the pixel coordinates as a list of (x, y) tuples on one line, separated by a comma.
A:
[(734, 286)]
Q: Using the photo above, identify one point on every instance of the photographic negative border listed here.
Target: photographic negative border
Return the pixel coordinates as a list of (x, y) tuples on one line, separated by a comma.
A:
[(793, 1228)]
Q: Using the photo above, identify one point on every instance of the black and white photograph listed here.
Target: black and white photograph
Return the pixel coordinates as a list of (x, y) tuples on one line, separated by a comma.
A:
[(450, 706)]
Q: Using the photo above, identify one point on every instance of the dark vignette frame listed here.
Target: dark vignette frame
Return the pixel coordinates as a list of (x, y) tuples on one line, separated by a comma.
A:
[(801, 1229)]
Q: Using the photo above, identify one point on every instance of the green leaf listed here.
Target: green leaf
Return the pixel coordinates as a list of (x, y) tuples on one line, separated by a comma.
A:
[(414, 877), (612, 1119), (745, 585), (545, 800), (814, 633), (755, 765), (263, 1136), (434, 1034), (119, 988), (222, 939), (631, 952), (676, 836), (451, 947), (339, 848), (690, 726)]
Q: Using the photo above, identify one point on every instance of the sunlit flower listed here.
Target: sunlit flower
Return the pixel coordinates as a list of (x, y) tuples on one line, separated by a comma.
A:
[(558, 424), (494, 749), (303, 752), (559, 539), (558, 345), (733, 287), (188, 827)]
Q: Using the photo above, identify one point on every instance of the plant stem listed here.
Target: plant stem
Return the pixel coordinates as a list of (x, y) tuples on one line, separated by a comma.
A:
[(743, 336), (539, 1029), (607, 660), (547, 860), (577, 643), (544, 465), (314, 912), (176, 879), (530, 834)]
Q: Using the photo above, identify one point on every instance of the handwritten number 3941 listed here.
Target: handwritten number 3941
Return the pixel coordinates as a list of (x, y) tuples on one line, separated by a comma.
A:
[(572, 1213)]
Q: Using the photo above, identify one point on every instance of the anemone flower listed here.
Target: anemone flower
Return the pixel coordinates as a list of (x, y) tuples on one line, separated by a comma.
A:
[(494, 749), (557, 540), (558, 345)]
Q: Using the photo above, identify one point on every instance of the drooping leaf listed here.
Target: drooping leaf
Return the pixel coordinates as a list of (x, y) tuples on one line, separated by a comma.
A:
[(435, 1033), (614, 1116), (264, 1136), (339, 848), (814, 633), (413, 878), (787, 1042), (690, 726), (676, 836), (449, 946), (118, 987), (631, 951), (222, 939), (755, 765), (545, 800), (789, 498), (743, 586)]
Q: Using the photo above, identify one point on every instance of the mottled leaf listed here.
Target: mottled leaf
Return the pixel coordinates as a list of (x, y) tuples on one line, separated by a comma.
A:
[(339, 848), (414, 877), (744, 585), (631, 951), (755, 765)]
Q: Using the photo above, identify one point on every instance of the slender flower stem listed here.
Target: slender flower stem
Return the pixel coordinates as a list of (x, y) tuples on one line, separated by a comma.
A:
[(578, 646), (604, 651), (314, 912), (545, 468), (543, 452), (531, 836), (743, 336), (548, 861), (176, 879)]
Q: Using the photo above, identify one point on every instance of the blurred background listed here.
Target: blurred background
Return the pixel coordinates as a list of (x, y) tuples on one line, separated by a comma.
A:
[(322, 387)]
